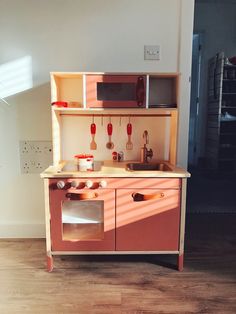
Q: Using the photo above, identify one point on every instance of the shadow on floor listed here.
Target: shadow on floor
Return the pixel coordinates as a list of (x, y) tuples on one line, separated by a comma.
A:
[(210, 192)]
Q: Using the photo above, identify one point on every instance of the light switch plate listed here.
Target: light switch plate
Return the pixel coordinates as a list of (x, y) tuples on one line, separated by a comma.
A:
[(152, 52)]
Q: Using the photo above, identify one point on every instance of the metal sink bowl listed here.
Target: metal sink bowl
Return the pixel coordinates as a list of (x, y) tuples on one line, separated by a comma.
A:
[(148, 167)]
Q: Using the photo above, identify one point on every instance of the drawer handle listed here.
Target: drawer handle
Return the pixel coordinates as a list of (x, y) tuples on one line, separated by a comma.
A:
[(81, 196), (138, 197)]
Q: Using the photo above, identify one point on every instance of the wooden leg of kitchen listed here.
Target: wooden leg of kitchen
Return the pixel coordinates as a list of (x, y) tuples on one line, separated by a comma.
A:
[(49, 263), (49, 260), (180, 262)]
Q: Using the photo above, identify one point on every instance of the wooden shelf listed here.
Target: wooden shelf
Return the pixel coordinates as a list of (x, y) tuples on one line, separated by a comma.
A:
[(73, 109)]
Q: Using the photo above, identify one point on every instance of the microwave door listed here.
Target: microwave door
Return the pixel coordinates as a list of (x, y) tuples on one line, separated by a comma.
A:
[(116, 91)]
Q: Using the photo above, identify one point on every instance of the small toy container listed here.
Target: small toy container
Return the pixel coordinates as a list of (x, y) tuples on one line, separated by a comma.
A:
[(84, 162)]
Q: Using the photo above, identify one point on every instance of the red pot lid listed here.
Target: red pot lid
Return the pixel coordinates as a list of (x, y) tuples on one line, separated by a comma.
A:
[(60, 103)]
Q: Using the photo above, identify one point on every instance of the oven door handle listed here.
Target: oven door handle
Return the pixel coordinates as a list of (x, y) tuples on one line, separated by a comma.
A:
[(138, 197), (81, 196)]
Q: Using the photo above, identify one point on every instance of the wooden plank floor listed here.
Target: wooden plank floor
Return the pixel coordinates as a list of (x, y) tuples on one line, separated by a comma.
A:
[(130, 284)]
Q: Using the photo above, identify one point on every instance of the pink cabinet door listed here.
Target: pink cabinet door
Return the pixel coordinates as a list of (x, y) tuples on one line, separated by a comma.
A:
[(147, 220), (82, 221), (115, 91)]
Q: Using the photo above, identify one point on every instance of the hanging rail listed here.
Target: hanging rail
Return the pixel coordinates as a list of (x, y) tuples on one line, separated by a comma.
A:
[(116, 115)]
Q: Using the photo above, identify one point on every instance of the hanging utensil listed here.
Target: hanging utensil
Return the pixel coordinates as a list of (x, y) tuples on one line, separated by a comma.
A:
[(109, 144), (129, 144), (93, 144)]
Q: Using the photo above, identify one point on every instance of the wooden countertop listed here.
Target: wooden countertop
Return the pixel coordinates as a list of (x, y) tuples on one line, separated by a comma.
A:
[(111, 169)]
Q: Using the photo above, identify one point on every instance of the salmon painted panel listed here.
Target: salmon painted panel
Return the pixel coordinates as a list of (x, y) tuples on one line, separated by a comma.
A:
[(121, 183), (149, 222)]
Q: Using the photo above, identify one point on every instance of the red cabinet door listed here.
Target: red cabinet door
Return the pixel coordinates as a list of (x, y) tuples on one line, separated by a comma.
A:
[(80, 224), (115, 91), (147, 220)]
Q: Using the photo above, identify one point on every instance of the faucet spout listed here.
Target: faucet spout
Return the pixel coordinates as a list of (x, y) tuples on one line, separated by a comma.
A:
[(146, 153), (146, 137)]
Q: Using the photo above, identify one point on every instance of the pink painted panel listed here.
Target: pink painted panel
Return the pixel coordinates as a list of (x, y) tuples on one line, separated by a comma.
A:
[(151, 225), (65, 236), (91, 90), (119, 183)]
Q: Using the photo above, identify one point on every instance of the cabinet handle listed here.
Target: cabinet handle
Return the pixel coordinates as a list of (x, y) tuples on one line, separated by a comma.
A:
[(140, 92), (138, 197), (81, 196)]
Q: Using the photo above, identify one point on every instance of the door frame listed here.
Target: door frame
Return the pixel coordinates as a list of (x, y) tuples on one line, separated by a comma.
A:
[(195, 100)]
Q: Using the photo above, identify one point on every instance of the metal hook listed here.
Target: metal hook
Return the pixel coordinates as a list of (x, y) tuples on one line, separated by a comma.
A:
[(120, 121), (102, 120)]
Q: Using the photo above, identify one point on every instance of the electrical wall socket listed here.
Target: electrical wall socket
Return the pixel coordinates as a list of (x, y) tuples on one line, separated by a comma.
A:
[(151, 52), (35, 156)]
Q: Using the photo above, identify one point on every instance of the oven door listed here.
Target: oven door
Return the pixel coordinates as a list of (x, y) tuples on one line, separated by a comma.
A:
[(115, 91), (83, 221)]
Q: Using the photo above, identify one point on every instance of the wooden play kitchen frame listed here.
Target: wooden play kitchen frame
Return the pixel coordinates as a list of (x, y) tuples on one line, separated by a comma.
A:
[(161, 221)]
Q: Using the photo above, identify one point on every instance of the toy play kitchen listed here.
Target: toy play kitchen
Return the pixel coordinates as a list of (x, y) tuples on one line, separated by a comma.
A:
[(114, 187)]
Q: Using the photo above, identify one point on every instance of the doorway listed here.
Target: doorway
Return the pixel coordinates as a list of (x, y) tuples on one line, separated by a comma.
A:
[(208, 191)]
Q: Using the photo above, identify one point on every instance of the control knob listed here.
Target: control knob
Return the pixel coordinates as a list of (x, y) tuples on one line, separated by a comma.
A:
[(60, 185), (74, 184), (89, 184), (103, 184)]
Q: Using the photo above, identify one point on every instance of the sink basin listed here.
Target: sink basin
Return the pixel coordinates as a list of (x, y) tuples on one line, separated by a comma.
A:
[(148, 167)]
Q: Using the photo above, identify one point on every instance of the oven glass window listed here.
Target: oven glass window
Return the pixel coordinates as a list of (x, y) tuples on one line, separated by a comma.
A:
[(82, 220), (116, 91)]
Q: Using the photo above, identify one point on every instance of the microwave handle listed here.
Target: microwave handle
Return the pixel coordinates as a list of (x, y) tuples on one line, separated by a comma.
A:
[(81, 196), (138, 197), (140, 91)]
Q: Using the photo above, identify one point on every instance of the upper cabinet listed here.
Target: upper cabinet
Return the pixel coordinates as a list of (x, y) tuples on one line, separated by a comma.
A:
[(114, 90), (124, 96)]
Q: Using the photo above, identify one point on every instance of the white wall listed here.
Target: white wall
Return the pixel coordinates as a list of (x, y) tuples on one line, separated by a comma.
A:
[(216, 21), (77, 35)]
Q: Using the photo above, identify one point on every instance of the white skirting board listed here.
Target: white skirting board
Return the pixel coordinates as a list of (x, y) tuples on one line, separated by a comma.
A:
[(21, 230)]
